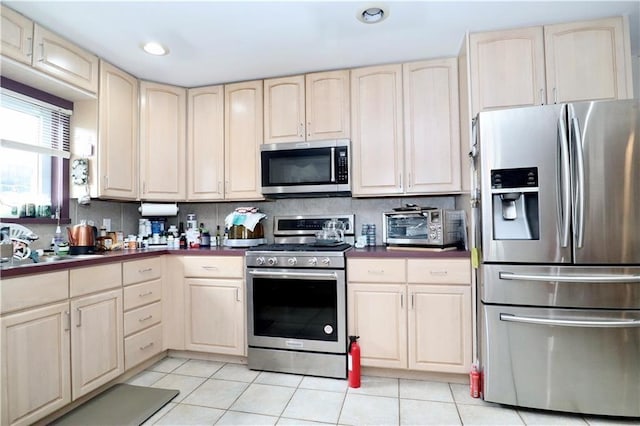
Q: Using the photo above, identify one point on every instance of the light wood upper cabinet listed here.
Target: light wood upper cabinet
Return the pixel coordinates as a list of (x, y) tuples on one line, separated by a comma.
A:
[(507, 68), (205, 143), (17, 35), (243, 136), (162, 142), (377, 130), (36, 340), (588, 61), (576, 61), (307, 107), (117, 134), (328, 105), (284, 109), (58, 57), (432, 133)]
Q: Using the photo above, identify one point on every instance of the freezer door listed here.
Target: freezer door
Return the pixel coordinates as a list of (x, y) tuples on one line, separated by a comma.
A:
[(605, 140), (525, 185), (561, 286), (580, 361)]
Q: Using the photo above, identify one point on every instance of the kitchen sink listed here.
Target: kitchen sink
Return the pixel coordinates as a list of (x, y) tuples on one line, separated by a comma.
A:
[(67, 257)]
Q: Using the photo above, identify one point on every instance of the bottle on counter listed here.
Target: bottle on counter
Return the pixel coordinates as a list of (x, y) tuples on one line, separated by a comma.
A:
[(205, 237), (218, 237), (183, 241)]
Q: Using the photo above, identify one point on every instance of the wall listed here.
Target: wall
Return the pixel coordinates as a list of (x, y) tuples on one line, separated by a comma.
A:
[(124, 215)]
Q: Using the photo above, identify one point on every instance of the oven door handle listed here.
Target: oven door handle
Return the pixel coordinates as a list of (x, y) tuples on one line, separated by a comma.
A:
[(312, 275), (568, 322)]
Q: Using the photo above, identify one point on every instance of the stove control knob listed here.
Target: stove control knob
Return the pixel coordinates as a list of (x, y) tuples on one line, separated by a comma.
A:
[(326, 261), (313, 261), (260, 260), (272, 261), (292, 261)]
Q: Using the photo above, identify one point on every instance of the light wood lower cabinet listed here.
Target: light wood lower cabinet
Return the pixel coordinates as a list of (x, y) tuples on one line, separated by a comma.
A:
[(96, 340), (411, 313), (214, 304), (36, 373)]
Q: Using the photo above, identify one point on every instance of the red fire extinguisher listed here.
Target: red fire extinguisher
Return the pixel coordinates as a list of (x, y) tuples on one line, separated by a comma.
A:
[(474, 381), (354, 362)]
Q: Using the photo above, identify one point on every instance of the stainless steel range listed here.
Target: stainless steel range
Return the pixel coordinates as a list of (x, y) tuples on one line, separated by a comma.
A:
[(296, 300)]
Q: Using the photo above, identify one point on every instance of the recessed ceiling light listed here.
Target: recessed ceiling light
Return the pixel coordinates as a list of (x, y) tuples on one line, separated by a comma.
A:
[(155, 48), (372, 15)]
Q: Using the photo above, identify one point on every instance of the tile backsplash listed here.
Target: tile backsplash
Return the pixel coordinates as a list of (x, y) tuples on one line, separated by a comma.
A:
[(124, 215)]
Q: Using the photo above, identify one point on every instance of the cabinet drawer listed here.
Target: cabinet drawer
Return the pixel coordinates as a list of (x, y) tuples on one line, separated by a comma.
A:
[(94, 278), (376, 270), (142, 294), (33, 290), (138, 271), (439, 271), (142, 346), (141, 318), (214, 267)]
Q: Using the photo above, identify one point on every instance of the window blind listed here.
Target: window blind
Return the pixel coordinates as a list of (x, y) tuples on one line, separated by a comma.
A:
[(48, 125)]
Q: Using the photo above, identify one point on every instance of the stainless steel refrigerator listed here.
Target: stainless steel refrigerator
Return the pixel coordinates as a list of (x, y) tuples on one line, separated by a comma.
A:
[(559, 278)]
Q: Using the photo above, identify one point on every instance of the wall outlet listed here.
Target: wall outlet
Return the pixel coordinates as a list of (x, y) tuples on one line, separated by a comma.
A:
[(106, 222)]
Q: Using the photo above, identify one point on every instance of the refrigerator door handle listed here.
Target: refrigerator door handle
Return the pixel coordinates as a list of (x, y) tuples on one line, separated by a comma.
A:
[(580, 184), (564, 204), (569, 323), (571, 278)]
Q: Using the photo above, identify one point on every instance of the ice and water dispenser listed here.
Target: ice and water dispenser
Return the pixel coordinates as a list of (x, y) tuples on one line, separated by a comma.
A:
[(515, 204)]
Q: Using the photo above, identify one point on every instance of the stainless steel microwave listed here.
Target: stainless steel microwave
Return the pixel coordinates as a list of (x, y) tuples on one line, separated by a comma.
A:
[(424, 226), (314, 168)]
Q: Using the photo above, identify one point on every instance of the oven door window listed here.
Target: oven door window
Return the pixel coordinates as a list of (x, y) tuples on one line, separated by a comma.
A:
[(294, 167), (409, 226), (295, 308)]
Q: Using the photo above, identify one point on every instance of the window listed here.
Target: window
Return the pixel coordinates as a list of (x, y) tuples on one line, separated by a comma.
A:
[(34, 156)]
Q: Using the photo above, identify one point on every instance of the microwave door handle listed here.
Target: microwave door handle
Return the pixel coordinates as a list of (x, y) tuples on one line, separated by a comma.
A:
[(333, 164)]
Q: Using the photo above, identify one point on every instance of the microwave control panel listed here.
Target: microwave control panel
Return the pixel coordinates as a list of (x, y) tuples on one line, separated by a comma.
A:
[(342, 165)]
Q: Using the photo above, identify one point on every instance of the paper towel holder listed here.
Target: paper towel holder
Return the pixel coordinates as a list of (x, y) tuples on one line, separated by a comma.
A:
[(158, 209)]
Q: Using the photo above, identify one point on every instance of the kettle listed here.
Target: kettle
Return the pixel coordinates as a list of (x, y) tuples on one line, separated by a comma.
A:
[(332, 232), (82, 239)]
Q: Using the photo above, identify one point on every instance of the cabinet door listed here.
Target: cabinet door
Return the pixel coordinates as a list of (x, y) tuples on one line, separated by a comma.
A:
[(432, 134), (284, 109), (507, 69), (162, 142), (328, 107), (118, 134), (17, 35), (243, 137), (376, 117), (64, 60), (377, 313), (35, 363), (205, 143), (440, 328), (587, 61), (97, 354), (214, 316)]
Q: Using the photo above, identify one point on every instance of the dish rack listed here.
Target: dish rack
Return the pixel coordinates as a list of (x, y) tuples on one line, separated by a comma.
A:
[(17, 233)]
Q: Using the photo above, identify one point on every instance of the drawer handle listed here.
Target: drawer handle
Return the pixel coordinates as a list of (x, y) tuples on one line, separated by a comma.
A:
[(142, 271), (376, 271), (439, 273), (147, 346), (148, 293), (148, 317), (79, 321), (210, 268)]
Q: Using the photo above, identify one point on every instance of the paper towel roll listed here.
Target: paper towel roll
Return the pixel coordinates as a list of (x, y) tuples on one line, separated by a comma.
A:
[(147, 209)]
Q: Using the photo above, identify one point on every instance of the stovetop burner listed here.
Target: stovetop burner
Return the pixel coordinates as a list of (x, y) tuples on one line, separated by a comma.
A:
[(312, 247)]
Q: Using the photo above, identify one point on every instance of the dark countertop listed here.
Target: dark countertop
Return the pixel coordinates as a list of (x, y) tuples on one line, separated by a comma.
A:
[(406, 252), (112, 256), (126, 255)]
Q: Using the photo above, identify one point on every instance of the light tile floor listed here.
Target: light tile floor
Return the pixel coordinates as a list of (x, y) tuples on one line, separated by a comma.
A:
[(231, 394)]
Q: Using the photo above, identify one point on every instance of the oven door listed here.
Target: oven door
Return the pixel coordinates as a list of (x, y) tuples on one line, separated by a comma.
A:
[(295, 309)]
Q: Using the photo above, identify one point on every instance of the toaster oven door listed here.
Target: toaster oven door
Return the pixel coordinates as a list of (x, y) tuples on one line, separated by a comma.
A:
[(406, 229)]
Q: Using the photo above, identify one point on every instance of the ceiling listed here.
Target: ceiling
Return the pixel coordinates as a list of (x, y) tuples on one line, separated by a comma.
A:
[(215, 42)]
